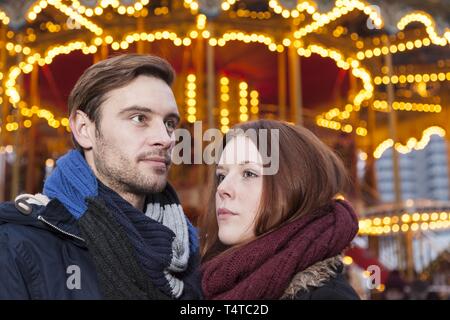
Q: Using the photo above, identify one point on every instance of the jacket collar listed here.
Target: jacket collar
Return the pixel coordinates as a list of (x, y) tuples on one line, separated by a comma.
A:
[(314, 276), (53, 217), (56, 217)]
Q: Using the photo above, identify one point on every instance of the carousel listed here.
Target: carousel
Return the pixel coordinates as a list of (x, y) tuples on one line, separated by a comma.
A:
[(370, 78)]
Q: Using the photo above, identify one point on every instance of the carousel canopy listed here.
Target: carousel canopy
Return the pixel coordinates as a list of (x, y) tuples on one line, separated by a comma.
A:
[(357, 59)]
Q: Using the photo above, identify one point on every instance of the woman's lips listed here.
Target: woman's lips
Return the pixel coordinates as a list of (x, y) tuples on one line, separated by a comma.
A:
[(224, 213)]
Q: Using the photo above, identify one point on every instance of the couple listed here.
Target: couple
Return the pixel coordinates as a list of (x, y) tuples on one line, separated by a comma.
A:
[(109, 226)]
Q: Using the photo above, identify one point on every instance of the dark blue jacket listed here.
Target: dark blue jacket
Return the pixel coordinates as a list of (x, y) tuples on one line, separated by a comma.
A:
[(42, 255)]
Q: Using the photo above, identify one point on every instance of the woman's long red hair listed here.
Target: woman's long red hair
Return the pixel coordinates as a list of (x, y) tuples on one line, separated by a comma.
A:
[(310, 175)]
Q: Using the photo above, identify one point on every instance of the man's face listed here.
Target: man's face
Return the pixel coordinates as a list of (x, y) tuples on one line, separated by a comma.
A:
[(132, 149)]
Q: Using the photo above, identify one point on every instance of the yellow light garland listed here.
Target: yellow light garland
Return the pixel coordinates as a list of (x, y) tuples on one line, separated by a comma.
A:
[(342, 8), (68, 11), (308, 6), (359, 72), (4, 18), (246, 38), (414, 221), (131, 9), (428, 22), (412, 143), (224, 99), (41, 113), (190, 98), (243, 101), (412, 78), (382, 105)]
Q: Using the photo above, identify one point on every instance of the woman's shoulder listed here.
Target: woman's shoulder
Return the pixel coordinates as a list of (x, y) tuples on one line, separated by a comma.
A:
[(335, 289), (321, 281)]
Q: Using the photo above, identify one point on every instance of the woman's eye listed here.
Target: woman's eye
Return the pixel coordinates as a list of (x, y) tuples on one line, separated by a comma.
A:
[(220, 177), (140, 118), (249, 174)]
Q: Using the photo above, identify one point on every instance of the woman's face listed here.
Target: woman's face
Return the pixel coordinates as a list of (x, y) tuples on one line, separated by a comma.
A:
[(238, 194)]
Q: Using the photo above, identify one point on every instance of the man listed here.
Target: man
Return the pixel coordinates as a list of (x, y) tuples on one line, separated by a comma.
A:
[(108, 225)]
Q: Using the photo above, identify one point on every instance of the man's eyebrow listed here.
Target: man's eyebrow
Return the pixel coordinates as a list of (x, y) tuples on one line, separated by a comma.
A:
[(148, 110), (136, 108), (173, 115)]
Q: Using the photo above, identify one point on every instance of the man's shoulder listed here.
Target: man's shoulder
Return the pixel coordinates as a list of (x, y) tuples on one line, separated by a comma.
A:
[(36, 261), (27, 238), (15, 234), (7, 207), (16, 226), (11, 220)]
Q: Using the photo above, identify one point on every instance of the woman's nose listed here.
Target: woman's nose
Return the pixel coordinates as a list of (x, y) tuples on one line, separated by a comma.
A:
[(225, 188)]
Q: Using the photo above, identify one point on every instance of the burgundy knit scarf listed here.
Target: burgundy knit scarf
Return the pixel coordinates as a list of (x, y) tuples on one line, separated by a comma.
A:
[(263, 268)]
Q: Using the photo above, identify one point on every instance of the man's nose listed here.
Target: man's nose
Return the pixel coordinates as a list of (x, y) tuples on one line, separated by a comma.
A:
[(159, 136)]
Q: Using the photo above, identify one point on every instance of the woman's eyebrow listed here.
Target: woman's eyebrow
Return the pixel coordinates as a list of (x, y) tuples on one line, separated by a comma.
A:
[(249, 162), (243, 163)]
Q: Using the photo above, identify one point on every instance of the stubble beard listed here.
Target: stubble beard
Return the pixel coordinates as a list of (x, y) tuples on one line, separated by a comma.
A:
[(122, 174)]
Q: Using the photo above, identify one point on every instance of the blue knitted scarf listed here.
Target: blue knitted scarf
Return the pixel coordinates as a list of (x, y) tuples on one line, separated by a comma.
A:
[(73, 181)]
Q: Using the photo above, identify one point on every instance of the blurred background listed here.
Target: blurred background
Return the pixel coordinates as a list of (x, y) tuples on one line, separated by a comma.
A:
[(370, 78)]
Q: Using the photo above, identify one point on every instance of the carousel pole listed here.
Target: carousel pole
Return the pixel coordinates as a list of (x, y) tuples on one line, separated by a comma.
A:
[(370, 163), (140, 25), (3, 57), (447, 135), (104, 51), (210, 94), (199, 65), (15, 183), (35, 101), (407, 236), (4, 111), (210, 85), (282, 85), (368, 180), (295, 81), (295, 87), (374, 241), (356, 192), (96, 57)]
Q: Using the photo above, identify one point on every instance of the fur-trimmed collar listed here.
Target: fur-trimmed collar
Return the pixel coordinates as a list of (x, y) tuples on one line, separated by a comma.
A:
[(314, 276)]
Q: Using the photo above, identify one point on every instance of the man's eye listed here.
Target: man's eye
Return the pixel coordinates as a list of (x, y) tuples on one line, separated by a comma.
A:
[(139, 118), (171, 125)]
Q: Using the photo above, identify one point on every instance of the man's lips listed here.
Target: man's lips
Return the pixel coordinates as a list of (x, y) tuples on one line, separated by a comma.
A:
[(157, 160)]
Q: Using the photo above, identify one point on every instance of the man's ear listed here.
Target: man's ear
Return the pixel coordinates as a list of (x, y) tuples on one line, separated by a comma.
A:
[(83, 129)]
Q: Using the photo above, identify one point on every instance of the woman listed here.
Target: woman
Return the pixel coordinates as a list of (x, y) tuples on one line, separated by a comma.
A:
[(276, 236)]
